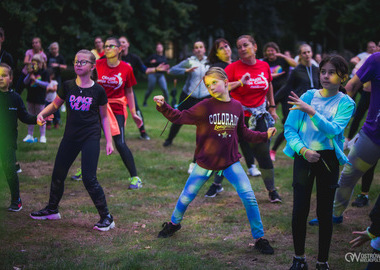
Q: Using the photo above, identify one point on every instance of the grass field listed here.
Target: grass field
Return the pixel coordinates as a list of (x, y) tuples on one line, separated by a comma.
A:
[(215, 232)]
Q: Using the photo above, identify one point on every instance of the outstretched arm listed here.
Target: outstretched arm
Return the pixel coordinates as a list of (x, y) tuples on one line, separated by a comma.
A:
[(49, 110)]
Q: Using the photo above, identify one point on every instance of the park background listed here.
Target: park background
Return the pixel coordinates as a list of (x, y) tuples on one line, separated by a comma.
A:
[(215, 233)]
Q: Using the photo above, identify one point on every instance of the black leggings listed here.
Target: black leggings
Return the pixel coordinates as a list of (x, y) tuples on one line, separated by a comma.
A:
[(326, 176), (8, 160), (260, 151), (122, 148), (67, 152), (281, 137)]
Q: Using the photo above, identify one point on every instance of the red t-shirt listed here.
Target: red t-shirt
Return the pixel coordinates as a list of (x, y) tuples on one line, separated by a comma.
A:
[(253, 93), (115, 80)]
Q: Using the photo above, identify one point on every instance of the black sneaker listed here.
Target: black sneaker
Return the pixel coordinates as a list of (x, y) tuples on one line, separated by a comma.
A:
[(361, 201), (15, 206), (263, 246), (144, 136), (46, 213), (104, 224), (299, 264), (322, 266), (274, 197), (167, 143), (168, 230), (213, 190)]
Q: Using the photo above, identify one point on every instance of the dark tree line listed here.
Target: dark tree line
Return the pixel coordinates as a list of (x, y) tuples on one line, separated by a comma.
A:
[(335, 25)]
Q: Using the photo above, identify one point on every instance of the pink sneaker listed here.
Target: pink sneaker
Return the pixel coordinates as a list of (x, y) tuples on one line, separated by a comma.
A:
[(272, 154)]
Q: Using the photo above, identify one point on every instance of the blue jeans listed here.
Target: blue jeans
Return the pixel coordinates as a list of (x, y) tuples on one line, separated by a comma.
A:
[(239, 180), (159, 78)]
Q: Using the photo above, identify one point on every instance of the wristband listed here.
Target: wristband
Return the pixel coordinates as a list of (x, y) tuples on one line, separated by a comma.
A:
[(272, 106), (304, 152), (241, 83), (370, 235)]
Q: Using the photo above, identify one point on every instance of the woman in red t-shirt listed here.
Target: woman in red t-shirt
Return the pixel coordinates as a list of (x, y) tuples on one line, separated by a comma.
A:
[(251, 84), (117, 78)]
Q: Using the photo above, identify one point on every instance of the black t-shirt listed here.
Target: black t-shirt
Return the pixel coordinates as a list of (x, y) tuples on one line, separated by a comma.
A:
[(83, 119), (6, 58), (37, 94), (59, 59), (135, 62), (277, 66)]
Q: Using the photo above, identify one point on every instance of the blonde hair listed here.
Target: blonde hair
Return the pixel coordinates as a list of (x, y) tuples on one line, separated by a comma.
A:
[(217, 72)]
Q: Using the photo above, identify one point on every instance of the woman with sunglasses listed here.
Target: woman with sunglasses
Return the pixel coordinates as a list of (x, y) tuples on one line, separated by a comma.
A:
[(86, 101), (117, 78)]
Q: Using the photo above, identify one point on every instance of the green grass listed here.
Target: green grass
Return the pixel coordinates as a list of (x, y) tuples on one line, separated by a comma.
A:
[(215, 232)]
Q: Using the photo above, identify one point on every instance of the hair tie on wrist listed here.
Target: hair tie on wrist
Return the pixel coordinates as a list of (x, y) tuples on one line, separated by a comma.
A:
[(370, 235), (241, 83), (304, 152)]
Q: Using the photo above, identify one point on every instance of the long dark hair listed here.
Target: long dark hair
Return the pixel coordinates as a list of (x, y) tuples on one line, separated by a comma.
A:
[(212, 58), (340, 65)]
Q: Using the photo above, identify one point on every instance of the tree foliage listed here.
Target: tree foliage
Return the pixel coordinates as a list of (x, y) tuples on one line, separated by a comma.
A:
[(333, 25)]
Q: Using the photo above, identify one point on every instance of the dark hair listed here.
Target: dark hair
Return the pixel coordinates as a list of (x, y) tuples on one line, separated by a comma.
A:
[(340, 65), (249, 37), (114, 39), (270, 45), (212, 58), (10, 71)]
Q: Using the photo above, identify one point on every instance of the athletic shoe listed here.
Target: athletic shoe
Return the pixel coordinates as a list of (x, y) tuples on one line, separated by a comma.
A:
[(361, 201), (213, 190), (104, 224), (274, 197), (336, 220), (263, 246), (272, 154), (168, 230), (63, 108), (144, 136), (191, 167), (299, 264), (167, 143), (28, 138), (15, 206), (43, 139), (322, 266), (18, 168), (135, 183), (77, 176), (253, 171), (46, 213)]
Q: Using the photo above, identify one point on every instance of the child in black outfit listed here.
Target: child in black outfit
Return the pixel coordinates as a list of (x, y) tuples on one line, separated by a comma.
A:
[(11, 108)]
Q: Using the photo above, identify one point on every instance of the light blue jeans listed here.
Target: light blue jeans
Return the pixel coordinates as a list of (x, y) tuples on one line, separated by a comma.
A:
[(363, 155), (239, 180), (159, 78)]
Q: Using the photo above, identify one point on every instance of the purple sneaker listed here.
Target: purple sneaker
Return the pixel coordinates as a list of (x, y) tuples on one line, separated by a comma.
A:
[(46, 213)]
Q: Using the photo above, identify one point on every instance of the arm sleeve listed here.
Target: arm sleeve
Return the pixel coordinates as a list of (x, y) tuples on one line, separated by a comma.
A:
[(180, 68), (291, 128), (346, 108), (189, 117), (23, 114), (140, 65), (285, 89)]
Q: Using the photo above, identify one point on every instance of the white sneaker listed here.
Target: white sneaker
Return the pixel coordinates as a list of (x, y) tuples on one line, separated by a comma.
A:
[(63, 108), (191, 168), (28, 138), (253, 171), (43, 139)]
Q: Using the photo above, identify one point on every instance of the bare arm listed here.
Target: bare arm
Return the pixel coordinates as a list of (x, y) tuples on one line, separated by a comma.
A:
[(106, 128), (288, 59), (131, 104), (50, 109), (353, 86), (270, 99)]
